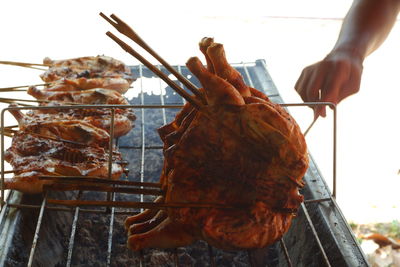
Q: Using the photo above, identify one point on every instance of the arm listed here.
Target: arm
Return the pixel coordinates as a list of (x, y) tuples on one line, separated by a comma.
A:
[(364, 29)]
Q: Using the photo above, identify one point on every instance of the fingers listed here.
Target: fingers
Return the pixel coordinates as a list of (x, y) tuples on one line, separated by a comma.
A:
[(309, 84), (328, 81)]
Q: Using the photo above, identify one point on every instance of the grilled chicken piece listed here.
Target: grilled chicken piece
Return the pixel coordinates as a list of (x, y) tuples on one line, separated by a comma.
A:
[(120, 85), (87, 73), (87, 67), (32, 156), (72, 130), (101, 118), (243, 151), (96, 96), (98, 117)]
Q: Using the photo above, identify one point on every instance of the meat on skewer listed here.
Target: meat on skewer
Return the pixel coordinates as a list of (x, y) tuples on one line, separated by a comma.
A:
[(99, 117), (120, 85), (242, 151), (72, 130), (32, 156), (87, 73), (92, 96), (87, 67)]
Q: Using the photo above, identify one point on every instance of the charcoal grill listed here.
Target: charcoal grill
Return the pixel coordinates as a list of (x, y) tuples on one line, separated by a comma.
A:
[(35, 231)]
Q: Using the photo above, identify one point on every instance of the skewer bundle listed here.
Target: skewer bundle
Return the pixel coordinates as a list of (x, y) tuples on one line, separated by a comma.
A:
[(64, 140)]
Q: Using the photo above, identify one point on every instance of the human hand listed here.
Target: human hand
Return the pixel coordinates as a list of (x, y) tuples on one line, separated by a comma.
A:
[(330, 80)]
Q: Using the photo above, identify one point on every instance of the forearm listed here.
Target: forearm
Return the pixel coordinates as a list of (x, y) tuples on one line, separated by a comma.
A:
[(366, 26)]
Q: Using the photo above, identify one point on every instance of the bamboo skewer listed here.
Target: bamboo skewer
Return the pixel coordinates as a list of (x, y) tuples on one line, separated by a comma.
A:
[(192, 100), (14, 88), (25, 65), (123, 28), (11, 126), (15, 102), (8, 134), (5, 99)]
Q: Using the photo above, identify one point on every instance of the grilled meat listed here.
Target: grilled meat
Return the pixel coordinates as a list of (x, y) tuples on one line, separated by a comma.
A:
[(242, 152), (99, 117), (87, 67), (92, 96), (87, 73), (120, 85), (56, 127), (32, 156)]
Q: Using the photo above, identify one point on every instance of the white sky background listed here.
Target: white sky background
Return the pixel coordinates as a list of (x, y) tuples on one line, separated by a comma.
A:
[(368, 123)]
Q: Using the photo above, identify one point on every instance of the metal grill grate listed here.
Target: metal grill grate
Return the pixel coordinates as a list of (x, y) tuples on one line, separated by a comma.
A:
[(58, 232)]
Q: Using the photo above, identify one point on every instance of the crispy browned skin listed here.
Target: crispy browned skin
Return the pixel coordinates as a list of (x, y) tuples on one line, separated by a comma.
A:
[(32, 156), (87, 67), (91, 96), (87, 73), (243, 151), (101, 118), (62, 127)]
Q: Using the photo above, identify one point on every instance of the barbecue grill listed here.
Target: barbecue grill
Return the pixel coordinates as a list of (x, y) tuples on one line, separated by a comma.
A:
[(83, 226)]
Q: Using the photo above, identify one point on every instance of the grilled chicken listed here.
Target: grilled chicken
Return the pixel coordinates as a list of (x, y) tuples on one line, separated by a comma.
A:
[(87, 67), (32, 156), (87, 73), (56, 127), (92, 96), (120, 85), (101, 118), (242, 152), (55, 140)]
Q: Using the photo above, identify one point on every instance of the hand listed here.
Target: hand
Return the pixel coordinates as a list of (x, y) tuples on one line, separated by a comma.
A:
[(330, 80)]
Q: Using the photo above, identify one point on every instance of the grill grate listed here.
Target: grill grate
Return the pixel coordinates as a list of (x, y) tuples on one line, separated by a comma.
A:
[(318, 228)]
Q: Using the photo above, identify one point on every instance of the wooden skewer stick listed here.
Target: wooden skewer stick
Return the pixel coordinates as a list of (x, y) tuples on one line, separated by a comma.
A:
[(124, 28), (21, 86), (11, 126), (144, 205), (9, 130), (4, 99), (98, 180), (192, 100), (18, 103), (11, 171), (25, 65)]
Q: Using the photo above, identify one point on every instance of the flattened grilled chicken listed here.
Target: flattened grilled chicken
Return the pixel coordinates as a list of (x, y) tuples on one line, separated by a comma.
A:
[(91, 96), (32, 156), (120, 85), (71, 130), (87, 67), (123, 120), (87, 73), (243, 151)]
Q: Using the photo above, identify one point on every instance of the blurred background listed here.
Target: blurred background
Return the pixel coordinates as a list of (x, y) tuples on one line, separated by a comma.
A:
[(288, 34)]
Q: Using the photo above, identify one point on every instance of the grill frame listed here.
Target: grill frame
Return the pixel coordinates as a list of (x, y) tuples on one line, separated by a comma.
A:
[(319, 206)]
